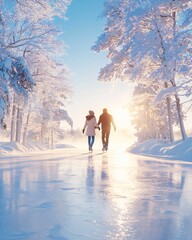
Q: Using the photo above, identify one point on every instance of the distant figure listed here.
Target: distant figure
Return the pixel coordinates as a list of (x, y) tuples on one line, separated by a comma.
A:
[(106, 120), (4, 126), (90, 126)]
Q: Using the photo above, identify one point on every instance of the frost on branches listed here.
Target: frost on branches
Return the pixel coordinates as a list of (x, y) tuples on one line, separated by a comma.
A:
[(150, 41), (30, 48), (48, 102), (14, 73), (46, 9)]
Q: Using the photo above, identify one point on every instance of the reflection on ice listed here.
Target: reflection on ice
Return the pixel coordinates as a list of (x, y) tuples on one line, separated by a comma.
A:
[(90, 174), (104, 169), (86, 196)]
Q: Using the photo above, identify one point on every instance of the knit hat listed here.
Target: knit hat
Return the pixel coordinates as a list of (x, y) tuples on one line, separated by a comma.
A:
[(91, 113)]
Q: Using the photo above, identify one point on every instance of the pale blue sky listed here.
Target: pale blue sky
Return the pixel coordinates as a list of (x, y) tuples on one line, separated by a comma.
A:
[(81, 30)]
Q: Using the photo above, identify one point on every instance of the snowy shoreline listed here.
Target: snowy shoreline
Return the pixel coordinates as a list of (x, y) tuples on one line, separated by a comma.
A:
[(14, 147), (178, 150)]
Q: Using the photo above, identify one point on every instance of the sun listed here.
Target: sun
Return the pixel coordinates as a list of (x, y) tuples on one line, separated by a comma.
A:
[(121, 118)]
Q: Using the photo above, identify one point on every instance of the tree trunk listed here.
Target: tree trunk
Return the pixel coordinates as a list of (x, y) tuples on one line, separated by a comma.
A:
[(18, 125), (181, 123), (42, 135), (25, 128), (170, 119), (52, 139), (13, 116), (178, 104)]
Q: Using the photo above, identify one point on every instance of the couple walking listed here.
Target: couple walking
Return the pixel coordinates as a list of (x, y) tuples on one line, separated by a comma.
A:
[(91, 124)]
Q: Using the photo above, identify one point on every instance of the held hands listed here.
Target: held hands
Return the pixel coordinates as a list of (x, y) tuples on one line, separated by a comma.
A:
[(84, 129)]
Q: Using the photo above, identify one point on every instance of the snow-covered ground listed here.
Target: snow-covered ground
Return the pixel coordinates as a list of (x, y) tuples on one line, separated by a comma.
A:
[(16, 148), (181, 150)]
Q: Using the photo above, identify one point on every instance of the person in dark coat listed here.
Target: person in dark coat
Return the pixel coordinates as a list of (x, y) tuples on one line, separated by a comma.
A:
[(106, 120)]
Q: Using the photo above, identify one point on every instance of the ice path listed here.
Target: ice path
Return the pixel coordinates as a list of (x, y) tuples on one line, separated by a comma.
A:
[(73, 195)]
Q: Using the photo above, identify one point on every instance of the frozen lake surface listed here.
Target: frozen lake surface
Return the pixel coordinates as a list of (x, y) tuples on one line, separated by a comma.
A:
[(74, 195)]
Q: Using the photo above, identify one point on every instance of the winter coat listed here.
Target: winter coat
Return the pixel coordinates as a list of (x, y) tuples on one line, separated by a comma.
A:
[(90, 125), (105, 120)]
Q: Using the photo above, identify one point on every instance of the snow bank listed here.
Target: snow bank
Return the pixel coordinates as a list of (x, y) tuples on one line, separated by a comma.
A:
[(61, 145), (181, 150), (14, 147), (6, 147)]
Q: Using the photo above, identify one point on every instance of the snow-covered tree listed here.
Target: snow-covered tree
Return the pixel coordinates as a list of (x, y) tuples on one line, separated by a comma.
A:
[(46, 9), (149, 120), (48, 101), (14, 73), (149, 40), (29, 31)]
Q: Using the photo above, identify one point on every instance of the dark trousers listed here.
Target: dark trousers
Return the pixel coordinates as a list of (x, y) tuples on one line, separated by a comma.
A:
[(105, 136)]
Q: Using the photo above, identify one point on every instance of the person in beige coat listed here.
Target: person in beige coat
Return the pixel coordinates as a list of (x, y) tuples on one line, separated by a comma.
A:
[(90, 126)]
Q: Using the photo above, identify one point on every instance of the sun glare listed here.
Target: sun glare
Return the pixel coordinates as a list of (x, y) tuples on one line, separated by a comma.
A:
[(121, 118)]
